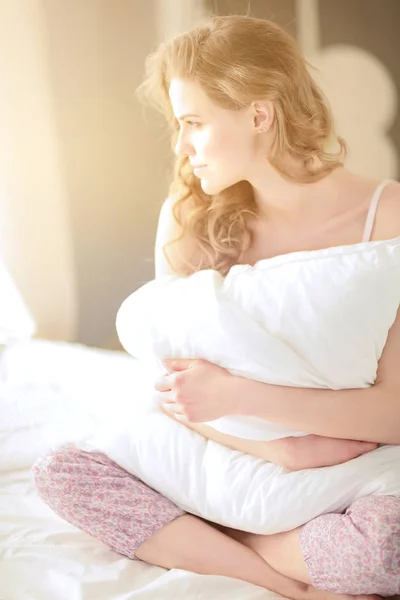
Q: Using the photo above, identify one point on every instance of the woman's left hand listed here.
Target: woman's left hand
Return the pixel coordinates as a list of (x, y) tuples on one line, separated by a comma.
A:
[(197, 390)]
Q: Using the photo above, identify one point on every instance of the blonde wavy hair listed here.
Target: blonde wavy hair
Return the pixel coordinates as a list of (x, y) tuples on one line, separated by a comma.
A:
[(237, 60)]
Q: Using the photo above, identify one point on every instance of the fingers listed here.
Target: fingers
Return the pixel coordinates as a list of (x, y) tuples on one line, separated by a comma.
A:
[(168, 382), (164, 383), (178, 364), (170, 387), (169, 397), (174, 409), (170, 405)]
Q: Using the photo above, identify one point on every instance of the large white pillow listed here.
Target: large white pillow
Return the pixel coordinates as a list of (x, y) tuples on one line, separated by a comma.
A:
[(318, 319), (306, 319), (232, 488)]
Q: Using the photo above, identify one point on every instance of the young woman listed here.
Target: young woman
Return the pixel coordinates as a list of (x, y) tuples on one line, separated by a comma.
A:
[(259, 173)]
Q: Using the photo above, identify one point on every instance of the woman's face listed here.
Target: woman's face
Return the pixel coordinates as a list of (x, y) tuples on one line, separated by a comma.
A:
[(220, 143)]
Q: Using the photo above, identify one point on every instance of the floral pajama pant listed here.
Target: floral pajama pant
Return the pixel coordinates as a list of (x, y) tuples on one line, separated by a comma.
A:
[(357, 552)]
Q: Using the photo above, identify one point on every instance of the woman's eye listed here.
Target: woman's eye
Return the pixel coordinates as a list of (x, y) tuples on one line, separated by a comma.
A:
[(193, 123)]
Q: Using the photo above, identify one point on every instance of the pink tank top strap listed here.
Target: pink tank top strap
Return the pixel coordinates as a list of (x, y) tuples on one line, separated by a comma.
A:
[(370, 220)]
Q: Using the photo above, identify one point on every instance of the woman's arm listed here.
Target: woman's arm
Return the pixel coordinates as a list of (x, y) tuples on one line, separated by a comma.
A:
[(203, 392), (370, 414), (293, 453)]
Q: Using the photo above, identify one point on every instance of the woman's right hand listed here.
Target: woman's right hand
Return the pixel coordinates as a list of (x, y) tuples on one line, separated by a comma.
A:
[(312, 451)]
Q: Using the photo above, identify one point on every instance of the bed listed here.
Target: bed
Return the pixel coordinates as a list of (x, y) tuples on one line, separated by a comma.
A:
[(51, 392)]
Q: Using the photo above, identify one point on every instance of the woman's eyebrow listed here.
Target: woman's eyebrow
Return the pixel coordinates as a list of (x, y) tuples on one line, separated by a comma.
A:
[(186, 115)]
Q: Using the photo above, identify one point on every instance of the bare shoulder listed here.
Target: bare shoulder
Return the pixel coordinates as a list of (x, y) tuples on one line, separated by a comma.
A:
[(175, 250), (387, 223)]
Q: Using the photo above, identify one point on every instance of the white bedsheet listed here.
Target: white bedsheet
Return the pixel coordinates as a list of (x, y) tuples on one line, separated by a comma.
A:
[(50, 393)]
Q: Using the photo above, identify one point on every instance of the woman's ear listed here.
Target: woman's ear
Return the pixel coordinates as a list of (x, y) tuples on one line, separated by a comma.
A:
[(263, 116)]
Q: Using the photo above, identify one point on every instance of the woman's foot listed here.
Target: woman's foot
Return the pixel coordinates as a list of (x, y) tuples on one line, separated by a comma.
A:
[(314, 594)]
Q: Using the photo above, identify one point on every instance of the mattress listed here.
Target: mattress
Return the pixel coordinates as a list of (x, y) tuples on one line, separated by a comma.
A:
[(52, 393)]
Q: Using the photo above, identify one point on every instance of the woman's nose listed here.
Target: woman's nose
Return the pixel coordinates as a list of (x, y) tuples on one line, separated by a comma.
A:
[(182, 147)]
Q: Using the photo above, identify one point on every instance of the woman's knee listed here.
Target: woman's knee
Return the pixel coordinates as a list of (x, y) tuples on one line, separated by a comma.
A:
[(377, 518), (50, 471), (61, 473), (357, 552), (94, 494)]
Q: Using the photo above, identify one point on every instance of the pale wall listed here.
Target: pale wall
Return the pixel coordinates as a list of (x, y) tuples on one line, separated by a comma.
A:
[(82, 171), (35, 240), (114, 159)]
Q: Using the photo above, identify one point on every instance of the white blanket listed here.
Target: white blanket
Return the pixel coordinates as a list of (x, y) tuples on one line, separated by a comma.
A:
[(51, 392), (311, 319)]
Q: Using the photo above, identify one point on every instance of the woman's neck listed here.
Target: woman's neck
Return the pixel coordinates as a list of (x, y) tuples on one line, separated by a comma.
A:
[(287, 201)]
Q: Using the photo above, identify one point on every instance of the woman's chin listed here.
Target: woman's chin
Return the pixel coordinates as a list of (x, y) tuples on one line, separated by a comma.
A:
[(210, 187)]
